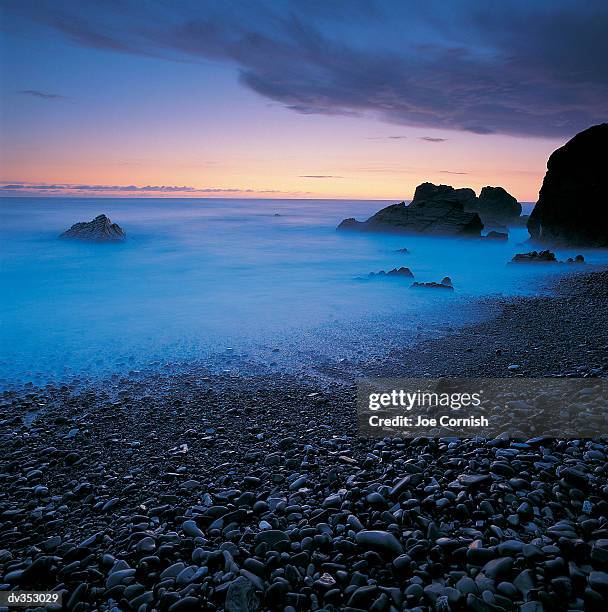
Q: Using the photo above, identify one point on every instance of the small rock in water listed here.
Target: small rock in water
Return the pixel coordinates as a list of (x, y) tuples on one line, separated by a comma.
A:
[(535, 257), (394, 272), (493, 235), (446, 283), (100, 229)]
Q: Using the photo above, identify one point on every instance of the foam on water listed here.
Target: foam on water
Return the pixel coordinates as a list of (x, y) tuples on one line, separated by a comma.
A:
[(198, 276)]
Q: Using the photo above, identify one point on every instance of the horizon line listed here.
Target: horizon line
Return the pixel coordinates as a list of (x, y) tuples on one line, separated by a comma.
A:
[(156, 197)]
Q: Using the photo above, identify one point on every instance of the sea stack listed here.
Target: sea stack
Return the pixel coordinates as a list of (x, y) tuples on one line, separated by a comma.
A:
[(572, 207), (496, 206), (435, 210), (100, 229)]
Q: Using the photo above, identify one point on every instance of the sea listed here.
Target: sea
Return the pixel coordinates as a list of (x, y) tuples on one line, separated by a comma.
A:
[(230, 282)]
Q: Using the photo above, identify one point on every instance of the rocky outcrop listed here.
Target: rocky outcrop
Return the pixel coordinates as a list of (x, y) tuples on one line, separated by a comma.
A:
[(429, 193), (394, 272), (446, 283), (100, 229), (496, 206), (545, 257), (441, 209), (435, 210), (497, 235), (572, 207), (535, 257)]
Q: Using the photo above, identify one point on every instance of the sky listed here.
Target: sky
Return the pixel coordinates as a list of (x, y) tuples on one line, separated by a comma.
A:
[(343, 99)]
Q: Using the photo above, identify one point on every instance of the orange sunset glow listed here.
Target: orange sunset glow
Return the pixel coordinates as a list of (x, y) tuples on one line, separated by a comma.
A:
[(78, 113)]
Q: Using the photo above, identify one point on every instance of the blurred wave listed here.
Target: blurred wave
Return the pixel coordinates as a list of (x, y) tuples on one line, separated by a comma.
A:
[(198, 277)]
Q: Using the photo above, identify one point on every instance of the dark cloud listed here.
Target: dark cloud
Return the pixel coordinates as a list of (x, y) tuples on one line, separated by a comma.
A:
[(320, 176), (386, 138), (517, 67), (45, 95), (431, 139)]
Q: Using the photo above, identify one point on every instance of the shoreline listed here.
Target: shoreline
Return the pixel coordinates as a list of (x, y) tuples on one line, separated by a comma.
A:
[(355, 346), (551, 327), (255, 475)]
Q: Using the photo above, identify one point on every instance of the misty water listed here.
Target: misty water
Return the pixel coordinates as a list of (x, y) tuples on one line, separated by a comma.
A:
[(268, 280)]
